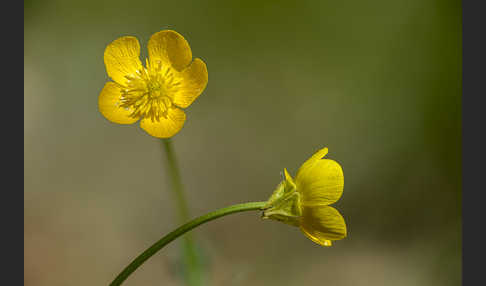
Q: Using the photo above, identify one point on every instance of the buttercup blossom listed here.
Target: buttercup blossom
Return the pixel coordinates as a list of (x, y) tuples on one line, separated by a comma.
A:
[(155, 94), (305, 202)]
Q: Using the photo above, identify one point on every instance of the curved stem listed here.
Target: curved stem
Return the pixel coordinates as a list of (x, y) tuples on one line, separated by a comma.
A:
[(180, 231)]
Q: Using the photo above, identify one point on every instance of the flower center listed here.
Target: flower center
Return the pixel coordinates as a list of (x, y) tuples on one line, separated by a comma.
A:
[(148, 93)]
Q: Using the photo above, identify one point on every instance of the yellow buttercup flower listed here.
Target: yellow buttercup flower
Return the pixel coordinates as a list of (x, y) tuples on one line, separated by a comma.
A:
[(305, 202), (155, 94)]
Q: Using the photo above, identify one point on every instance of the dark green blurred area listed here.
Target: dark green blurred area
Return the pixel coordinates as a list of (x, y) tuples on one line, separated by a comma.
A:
[(377, 82)]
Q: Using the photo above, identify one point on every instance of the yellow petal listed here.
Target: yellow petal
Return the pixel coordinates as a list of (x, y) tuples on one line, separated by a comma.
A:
[(322, 224), (108, 104), (320, 181), (193, 80), (169, 47), (165, 127), (312, 160), (122, 59)]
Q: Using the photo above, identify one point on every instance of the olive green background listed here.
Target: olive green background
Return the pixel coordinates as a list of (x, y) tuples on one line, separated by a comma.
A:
[(377, 82)]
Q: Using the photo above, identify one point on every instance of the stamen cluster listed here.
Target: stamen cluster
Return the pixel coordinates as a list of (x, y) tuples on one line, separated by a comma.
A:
[(148, 93)]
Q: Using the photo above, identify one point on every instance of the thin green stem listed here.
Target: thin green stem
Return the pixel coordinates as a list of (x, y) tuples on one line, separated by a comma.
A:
[(175, 176), (193, 274), (180, 231)]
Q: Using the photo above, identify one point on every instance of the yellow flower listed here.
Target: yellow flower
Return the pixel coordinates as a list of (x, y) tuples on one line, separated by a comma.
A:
[(155, 94), (305, 201)]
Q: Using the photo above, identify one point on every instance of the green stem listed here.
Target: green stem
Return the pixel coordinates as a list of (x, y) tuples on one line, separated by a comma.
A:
[(192, 268), (180, 231), (177, 186)]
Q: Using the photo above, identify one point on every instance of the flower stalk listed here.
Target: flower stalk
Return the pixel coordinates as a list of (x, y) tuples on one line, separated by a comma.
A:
[(192, 268), (180, 231)]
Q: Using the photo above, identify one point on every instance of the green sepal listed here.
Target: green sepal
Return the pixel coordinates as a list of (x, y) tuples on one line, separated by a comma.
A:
[(284, 204)]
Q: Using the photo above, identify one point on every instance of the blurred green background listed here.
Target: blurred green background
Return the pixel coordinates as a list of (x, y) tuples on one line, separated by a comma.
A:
[(377, 82)]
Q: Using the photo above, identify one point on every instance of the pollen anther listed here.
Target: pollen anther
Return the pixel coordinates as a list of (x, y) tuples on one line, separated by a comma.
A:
[(147, 92)]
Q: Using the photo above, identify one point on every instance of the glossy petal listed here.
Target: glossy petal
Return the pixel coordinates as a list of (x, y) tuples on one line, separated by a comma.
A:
[(320, 181), (108, 104), (169, 47), (322, 224), (312, 160), (166, 127), (193, 81), (122, 58)]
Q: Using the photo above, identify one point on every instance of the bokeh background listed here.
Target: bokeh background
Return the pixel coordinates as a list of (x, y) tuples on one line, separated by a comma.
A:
[(377, 82)]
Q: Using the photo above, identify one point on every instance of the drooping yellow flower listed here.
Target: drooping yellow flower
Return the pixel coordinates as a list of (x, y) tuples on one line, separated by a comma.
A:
[(305, 202), (155, 94)]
